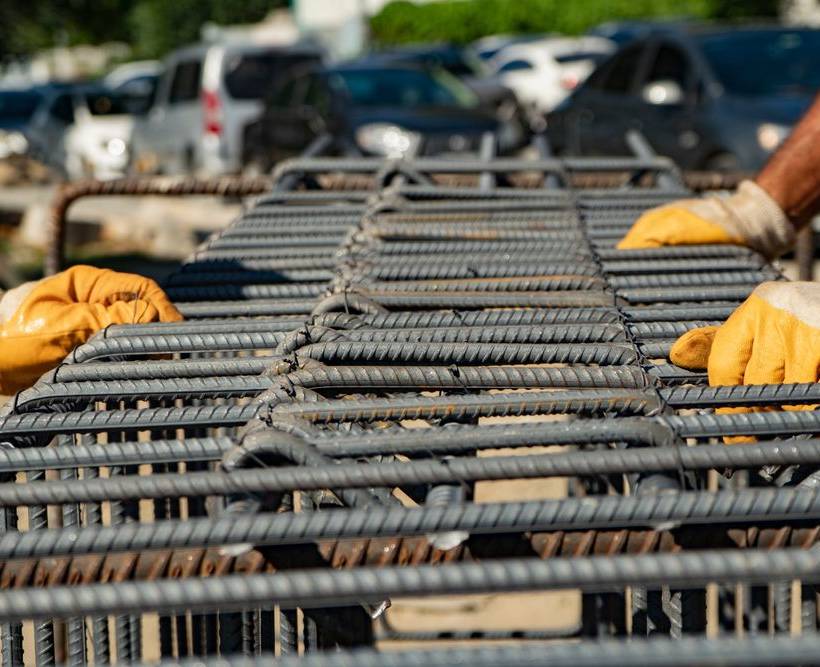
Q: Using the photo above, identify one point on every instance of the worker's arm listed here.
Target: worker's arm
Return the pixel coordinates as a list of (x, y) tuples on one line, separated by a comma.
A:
[(41, 322), (763, 214)]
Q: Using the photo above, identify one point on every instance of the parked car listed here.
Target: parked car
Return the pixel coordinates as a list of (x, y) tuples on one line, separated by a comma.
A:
[(385, 111), (543, 73), (709, 97), (489, 47), (459, 62), (136, 82), (206, 96), (82, 131), (17, 107)]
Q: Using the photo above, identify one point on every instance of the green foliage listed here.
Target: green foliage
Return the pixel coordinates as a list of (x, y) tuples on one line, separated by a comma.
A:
[(153, 27), (30, 25), (157, 26), (462, 21)]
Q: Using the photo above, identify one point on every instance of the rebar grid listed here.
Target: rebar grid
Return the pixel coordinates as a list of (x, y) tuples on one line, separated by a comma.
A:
[(348, 349)]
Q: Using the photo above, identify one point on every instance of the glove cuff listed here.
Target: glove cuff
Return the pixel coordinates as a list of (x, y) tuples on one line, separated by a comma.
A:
[(759, 220), (11, 300)]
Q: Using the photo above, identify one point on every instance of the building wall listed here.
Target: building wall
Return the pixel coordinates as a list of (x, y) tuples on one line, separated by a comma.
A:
[(339, 24), (802, 12)]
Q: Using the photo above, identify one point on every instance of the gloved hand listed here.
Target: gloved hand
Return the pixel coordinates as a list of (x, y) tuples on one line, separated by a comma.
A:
[(749, 217), (41, 322), (773, 337)]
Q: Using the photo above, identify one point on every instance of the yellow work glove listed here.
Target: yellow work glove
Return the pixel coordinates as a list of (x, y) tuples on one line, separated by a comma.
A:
[(749, 217), (41, 322), (773, 337)]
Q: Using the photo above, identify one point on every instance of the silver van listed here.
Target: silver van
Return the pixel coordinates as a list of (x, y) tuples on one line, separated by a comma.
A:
[(205, 97)]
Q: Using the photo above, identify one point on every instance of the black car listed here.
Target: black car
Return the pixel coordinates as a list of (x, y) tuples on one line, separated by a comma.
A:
[(459, 62), (384, 111), (707, 97), (16, 110)]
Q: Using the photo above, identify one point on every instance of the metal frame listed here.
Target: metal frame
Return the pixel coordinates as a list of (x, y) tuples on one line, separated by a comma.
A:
[(276, 421)]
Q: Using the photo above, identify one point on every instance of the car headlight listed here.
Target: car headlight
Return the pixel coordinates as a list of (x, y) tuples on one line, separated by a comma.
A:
[(387, 139), (771, 135), (12, 143), (115, 147)]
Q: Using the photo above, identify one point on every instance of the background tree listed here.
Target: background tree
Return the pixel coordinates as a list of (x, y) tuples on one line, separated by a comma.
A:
[(462, 21), (152, 27)]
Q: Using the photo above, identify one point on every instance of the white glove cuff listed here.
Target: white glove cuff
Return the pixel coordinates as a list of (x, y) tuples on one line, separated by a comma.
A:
[(758, 219), (10, 301)]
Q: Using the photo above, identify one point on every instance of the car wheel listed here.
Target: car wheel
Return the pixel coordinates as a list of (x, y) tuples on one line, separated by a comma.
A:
[(722, 162)]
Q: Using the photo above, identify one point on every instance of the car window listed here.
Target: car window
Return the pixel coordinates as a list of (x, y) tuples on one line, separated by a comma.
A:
[(618, 75), (317, 95), (402, 88), (105, 104), (290, 93), (765, 62), (18, 106), (63, 108), (670, 64), (515, 65), (250, 76), (594, 57), (185, 83)]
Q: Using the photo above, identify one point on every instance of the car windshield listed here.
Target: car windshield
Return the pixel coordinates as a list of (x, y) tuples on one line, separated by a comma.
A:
[(18, 106), (250, 76), (595, 57), (765, 62), (463, 63), (105, 104), (402, 88)]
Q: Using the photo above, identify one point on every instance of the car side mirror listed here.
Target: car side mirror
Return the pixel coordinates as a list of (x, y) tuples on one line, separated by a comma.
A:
[(663, 92)]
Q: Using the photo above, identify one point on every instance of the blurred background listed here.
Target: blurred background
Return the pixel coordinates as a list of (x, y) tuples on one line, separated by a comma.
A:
[(109, 88)]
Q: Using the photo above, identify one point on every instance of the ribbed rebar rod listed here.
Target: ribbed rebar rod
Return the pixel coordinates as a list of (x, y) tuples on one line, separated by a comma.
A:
[(742, 395), (360, 377), (678, 312), (579, 514), (401, 249), (256, 325), (163, 368), (555, 333), (317, 588), (681, 294), (295, 478), (168, 343), (249, 277), (475, 318), (655, 652), (233, 268), (243, 292), (113, 454), (536, 283), (48, 424), (248, 308), (477, 300), (75, 627), (700, 279), (43, 395), (753, 423), (476, 269), (474, 354), (601, 401)]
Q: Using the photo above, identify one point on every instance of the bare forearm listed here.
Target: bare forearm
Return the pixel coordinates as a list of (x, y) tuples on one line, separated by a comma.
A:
[(792, 175)]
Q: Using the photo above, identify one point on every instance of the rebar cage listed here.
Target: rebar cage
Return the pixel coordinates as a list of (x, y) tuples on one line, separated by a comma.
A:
[(364, 348)]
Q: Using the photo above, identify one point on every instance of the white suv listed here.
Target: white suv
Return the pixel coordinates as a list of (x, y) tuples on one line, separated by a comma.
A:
[(205, 97)]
